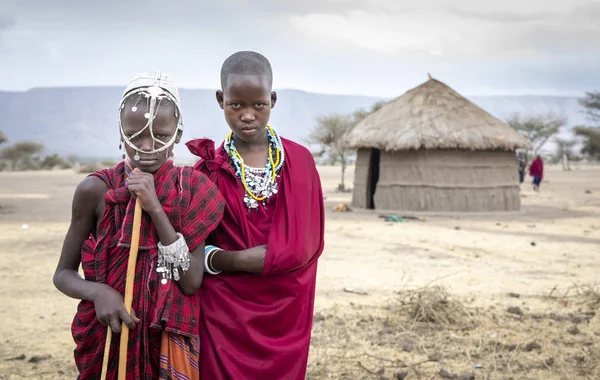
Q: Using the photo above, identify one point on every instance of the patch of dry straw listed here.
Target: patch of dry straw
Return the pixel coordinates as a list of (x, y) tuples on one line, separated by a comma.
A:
[(427, 334)]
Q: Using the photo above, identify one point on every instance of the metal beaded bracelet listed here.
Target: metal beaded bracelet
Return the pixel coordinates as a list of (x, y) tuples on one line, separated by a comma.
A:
[(173, 257), (209, 252)]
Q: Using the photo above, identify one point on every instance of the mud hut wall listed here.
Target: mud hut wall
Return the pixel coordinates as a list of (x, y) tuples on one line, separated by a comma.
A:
[(446, 180)]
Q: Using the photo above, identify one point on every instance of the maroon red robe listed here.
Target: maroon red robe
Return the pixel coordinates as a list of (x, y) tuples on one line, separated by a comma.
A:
[(259, 326), (194, 207), (537, 169)]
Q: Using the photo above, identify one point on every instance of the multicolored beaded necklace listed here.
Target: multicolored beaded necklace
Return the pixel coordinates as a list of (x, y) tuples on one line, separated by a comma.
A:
[(260, 183)]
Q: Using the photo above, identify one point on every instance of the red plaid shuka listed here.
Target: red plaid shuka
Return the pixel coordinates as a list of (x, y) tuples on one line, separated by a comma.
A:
[(195, 207)]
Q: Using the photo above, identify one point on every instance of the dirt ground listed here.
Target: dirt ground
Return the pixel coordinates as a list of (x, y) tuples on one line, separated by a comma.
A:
[(445, 297)]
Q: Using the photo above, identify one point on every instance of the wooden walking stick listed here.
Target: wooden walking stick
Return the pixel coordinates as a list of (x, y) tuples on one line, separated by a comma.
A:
[(133, 252), (106, 353)]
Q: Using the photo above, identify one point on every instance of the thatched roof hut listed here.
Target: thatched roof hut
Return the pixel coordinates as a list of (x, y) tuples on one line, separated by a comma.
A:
[(3, 138), (431, 149)]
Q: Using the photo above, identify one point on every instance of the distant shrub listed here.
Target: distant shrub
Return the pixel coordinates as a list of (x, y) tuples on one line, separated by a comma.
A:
[(24, 155), (54, 161), (109, 163), (90, 168)]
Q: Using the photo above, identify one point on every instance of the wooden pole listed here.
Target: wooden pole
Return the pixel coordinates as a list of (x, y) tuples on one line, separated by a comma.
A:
[(106, 353), (128, 299)]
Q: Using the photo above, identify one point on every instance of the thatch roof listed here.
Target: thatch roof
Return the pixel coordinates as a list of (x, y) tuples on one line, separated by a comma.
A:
[(433, 116), (2, 137)]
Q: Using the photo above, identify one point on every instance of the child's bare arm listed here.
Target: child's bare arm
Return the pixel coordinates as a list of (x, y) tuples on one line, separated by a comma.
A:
[(83, 219), (108, 302), (251, 260)]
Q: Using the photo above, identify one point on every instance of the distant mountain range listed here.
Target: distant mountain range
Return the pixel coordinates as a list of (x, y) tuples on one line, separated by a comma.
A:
[(82, 120)]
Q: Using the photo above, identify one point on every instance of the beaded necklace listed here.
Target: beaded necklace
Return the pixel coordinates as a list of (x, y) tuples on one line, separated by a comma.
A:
[(259, 183)]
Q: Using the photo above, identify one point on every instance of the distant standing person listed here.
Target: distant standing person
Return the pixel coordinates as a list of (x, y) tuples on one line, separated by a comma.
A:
[(565, 163), (536, 170), (522, 162)]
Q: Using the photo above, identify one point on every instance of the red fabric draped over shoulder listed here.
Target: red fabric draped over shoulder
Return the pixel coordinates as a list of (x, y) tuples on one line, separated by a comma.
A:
[(258, 326)]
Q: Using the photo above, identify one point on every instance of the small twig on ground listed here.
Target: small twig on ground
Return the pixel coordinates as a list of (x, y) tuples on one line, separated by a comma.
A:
[(346, 290), (366, 369), (20, 357), (382, 359), (422, 362)]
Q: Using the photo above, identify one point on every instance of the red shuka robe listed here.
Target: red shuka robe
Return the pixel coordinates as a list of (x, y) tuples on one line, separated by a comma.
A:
[(259, 326), (194, 207), (537, 168)]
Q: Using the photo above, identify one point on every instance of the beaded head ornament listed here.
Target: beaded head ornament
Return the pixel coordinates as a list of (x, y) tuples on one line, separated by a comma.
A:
[(151, 88)]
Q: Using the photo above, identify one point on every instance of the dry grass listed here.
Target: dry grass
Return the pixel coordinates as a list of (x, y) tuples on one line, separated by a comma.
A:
[(586, 296), (432, 305), (425, 334)]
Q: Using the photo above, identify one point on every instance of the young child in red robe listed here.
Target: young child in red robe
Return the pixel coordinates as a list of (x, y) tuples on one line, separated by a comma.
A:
[(536, 170), (181, 207), (257, 301)]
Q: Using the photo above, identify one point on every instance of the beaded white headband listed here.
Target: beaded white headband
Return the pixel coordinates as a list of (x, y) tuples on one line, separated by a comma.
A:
[(152, 88)]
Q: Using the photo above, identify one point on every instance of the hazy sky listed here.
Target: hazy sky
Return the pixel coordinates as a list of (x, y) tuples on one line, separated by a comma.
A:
[(371, 47)]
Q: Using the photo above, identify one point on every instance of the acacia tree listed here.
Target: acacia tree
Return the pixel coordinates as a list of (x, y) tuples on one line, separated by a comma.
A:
[(538, 129), (329, 133), (591, 134), (360, 114), (591, 141), (23, 155), (564, 152), (591, 106)]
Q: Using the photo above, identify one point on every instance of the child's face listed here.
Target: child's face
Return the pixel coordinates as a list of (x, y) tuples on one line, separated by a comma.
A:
[(247, 101), (163, 128)]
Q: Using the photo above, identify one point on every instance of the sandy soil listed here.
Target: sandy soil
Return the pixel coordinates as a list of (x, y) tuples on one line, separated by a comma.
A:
[(374, 277)]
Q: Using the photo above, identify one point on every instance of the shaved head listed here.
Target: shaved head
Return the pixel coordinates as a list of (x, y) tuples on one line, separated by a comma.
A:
[(246, 63)]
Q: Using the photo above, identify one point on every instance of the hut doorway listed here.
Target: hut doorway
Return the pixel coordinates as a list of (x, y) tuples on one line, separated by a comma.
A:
[(372, 177)]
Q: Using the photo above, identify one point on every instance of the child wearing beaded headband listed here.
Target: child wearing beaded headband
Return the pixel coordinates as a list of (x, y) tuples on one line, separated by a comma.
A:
[(181, 207), (257, 301), (149, 110)]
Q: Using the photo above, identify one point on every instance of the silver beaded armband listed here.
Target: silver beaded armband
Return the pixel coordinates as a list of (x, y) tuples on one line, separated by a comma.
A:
[(172, 258)]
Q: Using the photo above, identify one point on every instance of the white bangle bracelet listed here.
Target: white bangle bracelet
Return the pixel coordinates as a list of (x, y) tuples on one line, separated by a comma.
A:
[(208, 252)]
